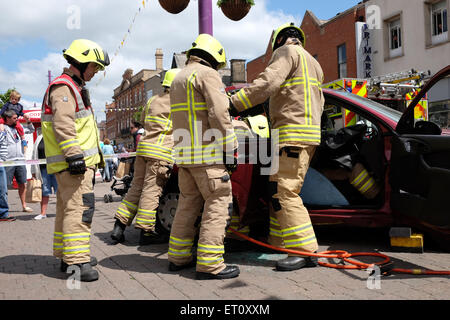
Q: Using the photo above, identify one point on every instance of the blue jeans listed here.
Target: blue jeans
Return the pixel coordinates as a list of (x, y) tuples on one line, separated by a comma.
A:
[(108, 169), (4, 208)]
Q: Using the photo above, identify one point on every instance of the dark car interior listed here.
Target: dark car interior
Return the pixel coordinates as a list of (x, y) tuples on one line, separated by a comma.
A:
[(341, 149)]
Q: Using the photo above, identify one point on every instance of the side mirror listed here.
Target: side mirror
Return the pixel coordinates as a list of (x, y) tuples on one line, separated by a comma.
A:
[(427, 128)]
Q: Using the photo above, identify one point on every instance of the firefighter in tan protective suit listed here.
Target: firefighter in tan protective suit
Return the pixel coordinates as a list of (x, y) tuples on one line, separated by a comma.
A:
[(203, 136), (151, 169), (292, 80), (73, 152)]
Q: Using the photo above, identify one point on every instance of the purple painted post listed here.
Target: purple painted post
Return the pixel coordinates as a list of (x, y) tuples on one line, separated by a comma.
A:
[(205, 23)]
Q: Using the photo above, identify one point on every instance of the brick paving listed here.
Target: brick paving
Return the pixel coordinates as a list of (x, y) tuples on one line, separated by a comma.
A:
[(132, 272)]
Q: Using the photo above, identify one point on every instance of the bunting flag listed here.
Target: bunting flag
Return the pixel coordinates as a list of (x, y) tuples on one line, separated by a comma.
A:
[(122, 43), (122, 109)]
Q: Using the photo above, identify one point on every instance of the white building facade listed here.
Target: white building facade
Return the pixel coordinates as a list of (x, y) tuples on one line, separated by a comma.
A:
[(402, 35)]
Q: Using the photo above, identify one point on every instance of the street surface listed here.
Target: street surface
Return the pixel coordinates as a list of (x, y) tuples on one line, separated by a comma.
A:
[(132, 272)]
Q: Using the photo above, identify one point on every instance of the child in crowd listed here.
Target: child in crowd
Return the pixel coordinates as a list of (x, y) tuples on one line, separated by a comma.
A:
[(14, 105)]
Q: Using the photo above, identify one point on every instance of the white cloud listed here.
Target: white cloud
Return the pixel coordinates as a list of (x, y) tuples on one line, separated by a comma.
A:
[(107, 22)]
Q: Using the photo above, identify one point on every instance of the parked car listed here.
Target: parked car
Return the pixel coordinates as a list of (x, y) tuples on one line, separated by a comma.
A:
[(408, 161)]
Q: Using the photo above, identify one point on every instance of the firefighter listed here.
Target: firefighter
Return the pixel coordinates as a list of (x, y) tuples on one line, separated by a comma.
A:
[(151, 169), (73, 154), (292, 80), (203, 136)]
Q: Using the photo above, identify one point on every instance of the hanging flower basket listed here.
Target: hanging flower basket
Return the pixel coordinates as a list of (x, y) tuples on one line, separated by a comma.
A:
[(174, 6), (235, 9)]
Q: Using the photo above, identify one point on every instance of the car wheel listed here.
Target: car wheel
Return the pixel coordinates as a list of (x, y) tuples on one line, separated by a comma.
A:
[(166, 211)]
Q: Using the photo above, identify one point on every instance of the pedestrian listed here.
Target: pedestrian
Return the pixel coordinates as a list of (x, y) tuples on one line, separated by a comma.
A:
[(202, 126), (108, 150), (4, 208), (14, 104), (293, 81), (16, 153), (152, 170), (73, 154), (49, 183)]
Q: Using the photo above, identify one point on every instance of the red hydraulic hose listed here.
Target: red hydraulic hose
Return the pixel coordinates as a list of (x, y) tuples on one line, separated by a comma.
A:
[(344, 255)]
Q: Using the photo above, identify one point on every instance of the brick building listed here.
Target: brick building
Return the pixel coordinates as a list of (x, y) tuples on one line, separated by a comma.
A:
[(129, 98), (332, 42)]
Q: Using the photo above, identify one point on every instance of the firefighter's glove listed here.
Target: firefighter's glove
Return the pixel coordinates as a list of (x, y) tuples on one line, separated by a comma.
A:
[(232, 110), (230, 160), (77, 165)]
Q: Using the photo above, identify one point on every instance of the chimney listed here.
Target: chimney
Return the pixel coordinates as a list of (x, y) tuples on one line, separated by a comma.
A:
[(159, 60), (237, 71)]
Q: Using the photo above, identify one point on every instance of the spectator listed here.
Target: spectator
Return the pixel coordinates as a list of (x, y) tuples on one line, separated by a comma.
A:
[(4, 208), (14, 105), (137, 131), (107, 150), (15, 153), (40, 172)]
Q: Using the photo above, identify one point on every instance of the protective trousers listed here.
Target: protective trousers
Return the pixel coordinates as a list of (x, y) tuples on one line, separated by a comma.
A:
[(290, 224), (142, 199), (75, 205), (207, 188)]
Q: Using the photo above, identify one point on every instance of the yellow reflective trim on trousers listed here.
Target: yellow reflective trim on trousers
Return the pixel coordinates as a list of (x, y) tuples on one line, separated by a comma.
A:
[(76, 249), (179, 253), (178, 241), (367, 185), (145, 212), (299, 227), (301, 137), (129, 205), (208, 261), (300, 244), (76, 234), (359, 178), (275, 232), (210, 249), (124, 213)]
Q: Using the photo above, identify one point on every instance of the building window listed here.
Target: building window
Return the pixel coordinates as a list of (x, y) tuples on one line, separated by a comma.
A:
[(342, 61), (395, 38), (439, 28)]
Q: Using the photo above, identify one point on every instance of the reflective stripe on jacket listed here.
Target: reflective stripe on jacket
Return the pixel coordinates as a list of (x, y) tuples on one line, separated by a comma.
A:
[(158, 140), (292, 80), (60, 145), (201, 122)]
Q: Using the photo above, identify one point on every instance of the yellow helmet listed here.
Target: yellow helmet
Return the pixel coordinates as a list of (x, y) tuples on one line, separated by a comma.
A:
[(169, 76), (285, 26), (85, 51), (212, 46)]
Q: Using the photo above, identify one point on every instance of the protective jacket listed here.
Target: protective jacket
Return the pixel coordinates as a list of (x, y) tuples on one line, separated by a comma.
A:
[(201, 122), (158, 140), (293, 81), (68, 125)]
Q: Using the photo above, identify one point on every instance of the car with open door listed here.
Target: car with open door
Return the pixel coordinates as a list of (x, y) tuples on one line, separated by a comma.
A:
[(384, 170)]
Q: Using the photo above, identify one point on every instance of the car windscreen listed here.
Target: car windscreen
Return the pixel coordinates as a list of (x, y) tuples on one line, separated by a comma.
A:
[(375, 106)]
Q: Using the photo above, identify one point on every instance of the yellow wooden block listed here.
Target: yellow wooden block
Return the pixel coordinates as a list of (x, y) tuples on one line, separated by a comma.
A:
[(412, 243)]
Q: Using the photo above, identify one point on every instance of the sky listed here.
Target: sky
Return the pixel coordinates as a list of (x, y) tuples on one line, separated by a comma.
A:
[(34, 33)]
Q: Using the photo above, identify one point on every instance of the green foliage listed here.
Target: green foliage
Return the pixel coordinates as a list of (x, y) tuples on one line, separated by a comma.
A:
[(220, 2), (137, 114), (4, 98)]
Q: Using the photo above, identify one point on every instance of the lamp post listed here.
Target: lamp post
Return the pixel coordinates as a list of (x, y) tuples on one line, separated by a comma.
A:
[(205, 22)]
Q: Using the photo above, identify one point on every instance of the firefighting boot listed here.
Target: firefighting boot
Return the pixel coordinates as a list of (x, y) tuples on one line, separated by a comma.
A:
[(87, 274), (227, 273), (64, 265), (152, 237), (295, 263), (117, 233)]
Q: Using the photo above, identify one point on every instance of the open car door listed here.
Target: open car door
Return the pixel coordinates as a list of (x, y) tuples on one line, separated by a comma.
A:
[(420, 167)]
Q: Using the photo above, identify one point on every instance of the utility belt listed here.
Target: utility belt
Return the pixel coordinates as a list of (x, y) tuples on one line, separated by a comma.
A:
[(291, 152)]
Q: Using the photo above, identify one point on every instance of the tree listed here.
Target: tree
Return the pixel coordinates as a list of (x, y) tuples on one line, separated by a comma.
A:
[(4, 98)]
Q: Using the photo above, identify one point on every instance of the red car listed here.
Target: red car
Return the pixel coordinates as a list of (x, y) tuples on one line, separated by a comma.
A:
[(408, 162)]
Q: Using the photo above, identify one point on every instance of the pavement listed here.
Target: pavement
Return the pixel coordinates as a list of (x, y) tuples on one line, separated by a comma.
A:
[(28, 271)]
